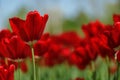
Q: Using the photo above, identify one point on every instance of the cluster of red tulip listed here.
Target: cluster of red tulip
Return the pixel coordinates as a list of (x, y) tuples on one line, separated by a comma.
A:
[(26, 40)]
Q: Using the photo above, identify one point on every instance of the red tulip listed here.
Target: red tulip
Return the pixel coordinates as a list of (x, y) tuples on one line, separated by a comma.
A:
[(116, 18), (70, 39), (80, 58), (5, 33), (7, 73), (31, 28), (93, 29), (14, 48)]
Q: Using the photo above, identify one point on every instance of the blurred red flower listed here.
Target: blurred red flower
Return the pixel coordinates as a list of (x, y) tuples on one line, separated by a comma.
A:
[(79, 79), (7, 73), (80, 58), (14, 48), (93, 29), (42, 45), (116, 18), (23, 66)]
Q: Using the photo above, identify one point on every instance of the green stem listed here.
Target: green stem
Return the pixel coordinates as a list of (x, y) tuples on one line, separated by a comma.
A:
[(108, 74), (118, 69), (108, 66), (94, 70), (19, 73), (94, 75), (38, 73), (33, 61), (116, 76)]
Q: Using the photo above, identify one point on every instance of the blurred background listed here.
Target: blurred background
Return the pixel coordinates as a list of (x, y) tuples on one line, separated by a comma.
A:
[(64, 15)]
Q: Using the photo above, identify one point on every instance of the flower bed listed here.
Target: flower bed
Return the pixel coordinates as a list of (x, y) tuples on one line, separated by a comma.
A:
[(26, 53)]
